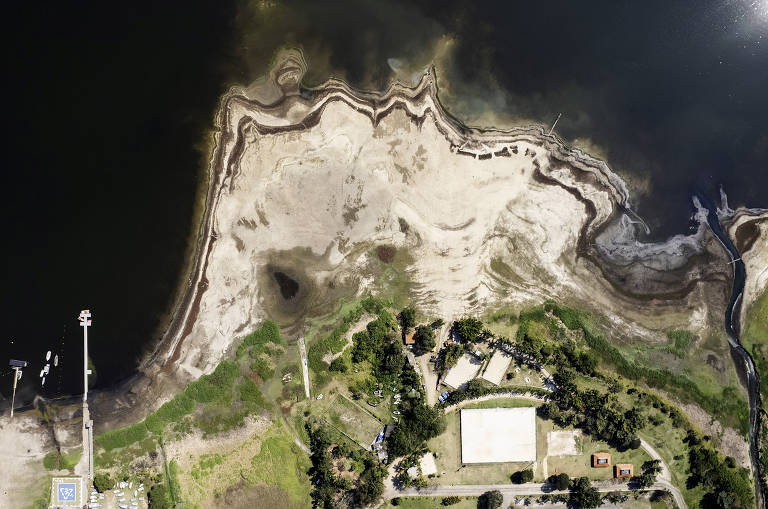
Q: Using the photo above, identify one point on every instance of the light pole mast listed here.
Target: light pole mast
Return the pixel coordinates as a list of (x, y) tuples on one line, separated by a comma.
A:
[(16, 366)]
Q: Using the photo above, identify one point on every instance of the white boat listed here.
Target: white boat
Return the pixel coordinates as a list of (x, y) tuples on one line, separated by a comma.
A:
[(55, 360), (42, 373), (43, 381), (48, 356), (47, 368)]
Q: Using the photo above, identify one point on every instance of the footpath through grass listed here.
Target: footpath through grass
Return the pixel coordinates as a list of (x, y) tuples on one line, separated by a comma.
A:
[(430, 503)]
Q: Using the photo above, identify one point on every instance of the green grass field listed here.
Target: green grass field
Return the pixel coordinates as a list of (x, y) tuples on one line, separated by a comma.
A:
[(271, 459), (354, 421), (579, 465)]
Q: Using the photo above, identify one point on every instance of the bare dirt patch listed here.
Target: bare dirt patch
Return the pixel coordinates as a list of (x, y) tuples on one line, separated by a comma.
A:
[(728, 440), (563, 443)]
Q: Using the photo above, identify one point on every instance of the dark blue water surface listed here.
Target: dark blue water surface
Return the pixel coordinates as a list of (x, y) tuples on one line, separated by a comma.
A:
[(107, 106)]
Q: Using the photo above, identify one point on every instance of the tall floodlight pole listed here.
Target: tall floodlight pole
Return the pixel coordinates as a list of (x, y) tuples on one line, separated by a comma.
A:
[(85, 322), (17, 366)]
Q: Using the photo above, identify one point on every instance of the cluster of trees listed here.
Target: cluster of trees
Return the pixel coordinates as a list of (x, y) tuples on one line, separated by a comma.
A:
[(729, 405), (522, 476), (650, 470), (560, 481), (584, 495), (469, 329), (727, 485), (378, 344), (418, 421), (478, 387), (335, 340), (329, 489), (599, 414), (449, 356)]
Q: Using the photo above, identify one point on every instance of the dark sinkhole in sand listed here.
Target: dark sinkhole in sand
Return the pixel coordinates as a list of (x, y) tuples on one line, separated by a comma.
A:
[(289, 287)]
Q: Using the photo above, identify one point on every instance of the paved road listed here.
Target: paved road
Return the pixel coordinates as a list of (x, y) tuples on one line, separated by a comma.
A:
[(655, 455), (304, 367), (510, 491)]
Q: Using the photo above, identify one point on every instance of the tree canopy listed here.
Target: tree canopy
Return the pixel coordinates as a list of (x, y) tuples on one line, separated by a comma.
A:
[(425, 338), (407, 318), (490, 500), (468, 328), (583, 494)]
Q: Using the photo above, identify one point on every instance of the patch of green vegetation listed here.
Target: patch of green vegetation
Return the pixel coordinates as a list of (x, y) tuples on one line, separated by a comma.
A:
[(353, 421), (755, 340), (205, 465), (55, 460), (728, 405), (122, 437), (429, 503), (681, 340), (221, 401), (335, 340), (216, 387), (173, 482), (281, 463), (393, 279), (328, 486)]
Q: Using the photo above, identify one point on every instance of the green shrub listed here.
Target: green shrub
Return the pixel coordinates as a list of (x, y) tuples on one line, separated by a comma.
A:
[(217, 386), (160, 497), (177, 408), (339, 365), (681, 340), (250, 393), (268, 332), (103, 482), (154, 423), (261, 367)]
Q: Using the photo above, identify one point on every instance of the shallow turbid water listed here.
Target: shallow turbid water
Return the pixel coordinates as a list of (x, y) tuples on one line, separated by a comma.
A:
[(109, 105)]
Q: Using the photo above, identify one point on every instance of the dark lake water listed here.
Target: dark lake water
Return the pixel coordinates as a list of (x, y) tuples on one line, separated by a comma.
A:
[(107, 106)]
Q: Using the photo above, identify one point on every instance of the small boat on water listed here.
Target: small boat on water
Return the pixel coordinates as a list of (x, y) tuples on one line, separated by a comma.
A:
[(55, 361), (47, 368), (48, 356), (42, 373), (43, 383)]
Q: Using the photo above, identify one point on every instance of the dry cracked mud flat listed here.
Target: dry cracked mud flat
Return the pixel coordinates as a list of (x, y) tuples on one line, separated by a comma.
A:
[(308, 187)]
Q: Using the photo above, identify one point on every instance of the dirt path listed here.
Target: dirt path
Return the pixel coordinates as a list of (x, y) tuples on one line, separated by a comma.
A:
[(430, 379), (304, 366)]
